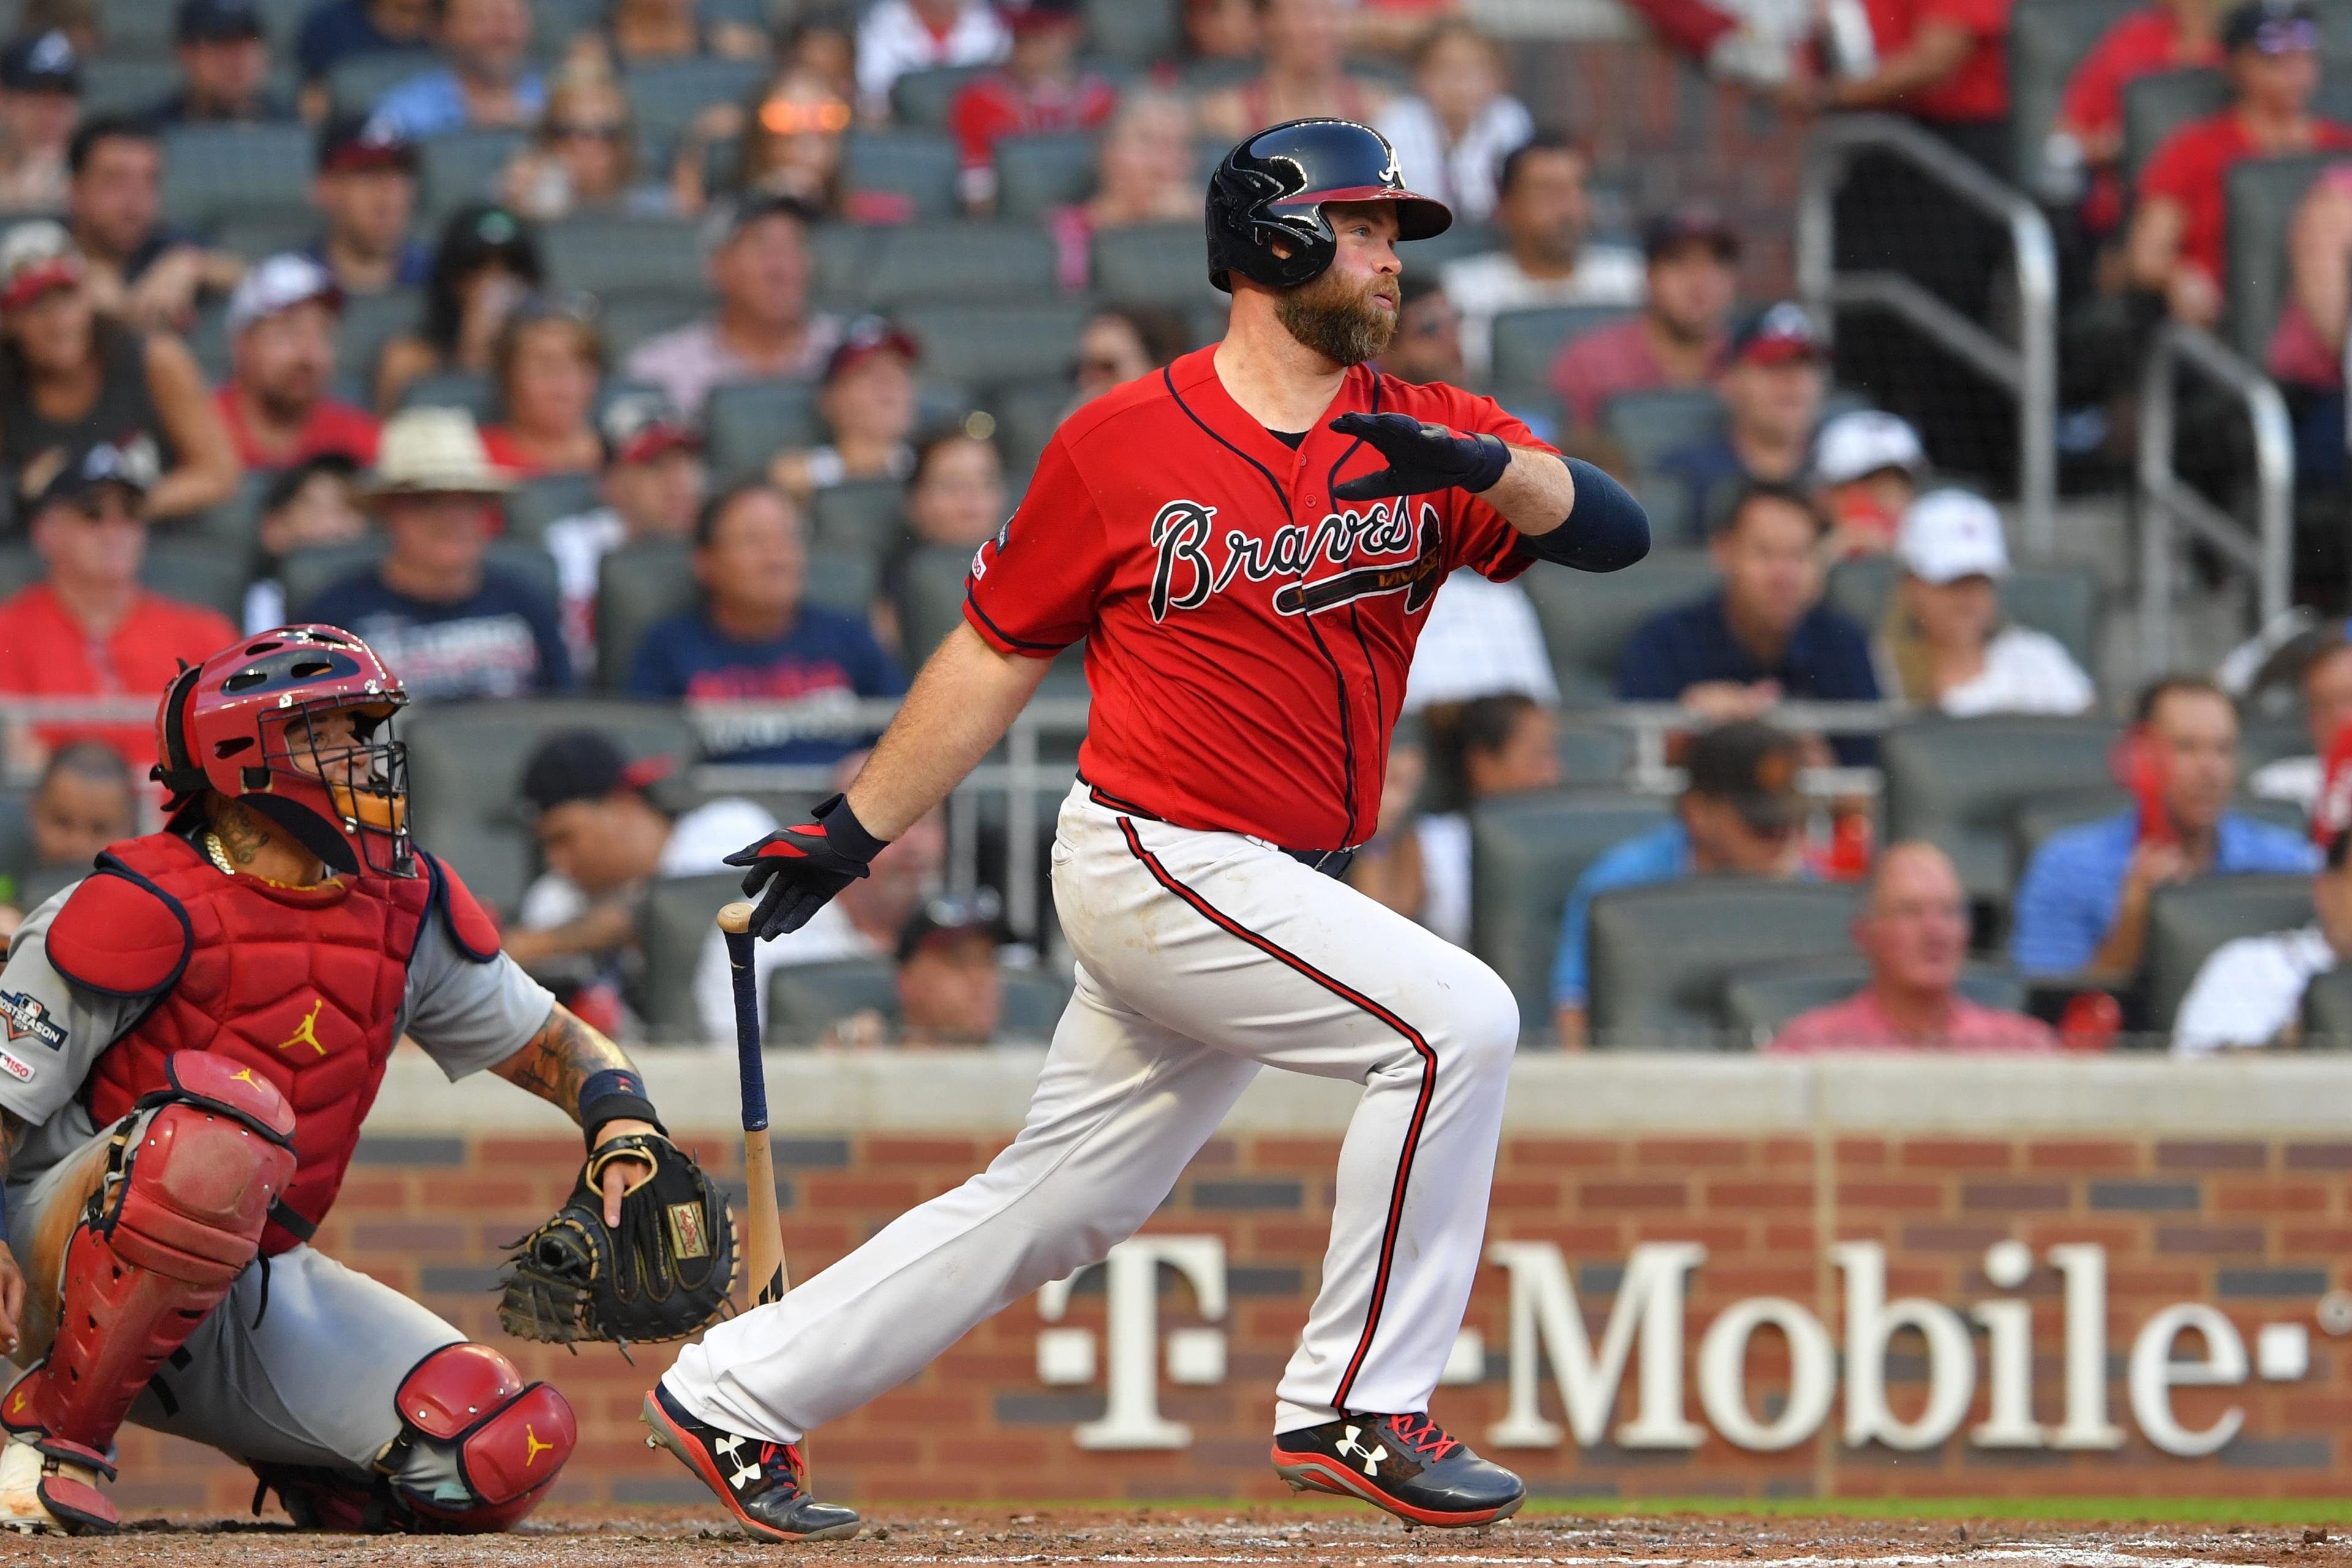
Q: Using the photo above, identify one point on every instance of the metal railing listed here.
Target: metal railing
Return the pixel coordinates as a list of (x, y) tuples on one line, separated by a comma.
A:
[(2169, 509), (2027, 370)]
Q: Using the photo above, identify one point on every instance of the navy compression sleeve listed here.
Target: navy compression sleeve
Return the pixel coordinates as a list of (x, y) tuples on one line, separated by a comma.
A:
[(1606, 531)]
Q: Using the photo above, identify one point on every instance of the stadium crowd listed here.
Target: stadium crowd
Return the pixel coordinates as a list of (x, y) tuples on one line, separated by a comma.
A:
[(682, 351)]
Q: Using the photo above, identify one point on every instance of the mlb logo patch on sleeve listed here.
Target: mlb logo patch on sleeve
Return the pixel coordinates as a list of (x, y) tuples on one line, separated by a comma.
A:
[(25, 1015)]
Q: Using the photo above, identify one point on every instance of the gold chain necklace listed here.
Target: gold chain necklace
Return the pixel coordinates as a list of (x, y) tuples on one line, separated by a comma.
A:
[(219, 855)]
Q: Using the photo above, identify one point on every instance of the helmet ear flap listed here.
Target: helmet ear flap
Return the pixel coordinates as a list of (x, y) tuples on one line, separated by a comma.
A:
[(177, 769)]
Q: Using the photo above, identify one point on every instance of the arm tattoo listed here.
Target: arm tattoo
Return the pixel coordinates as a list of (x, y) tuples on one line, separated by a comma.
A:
[(560, 1060)]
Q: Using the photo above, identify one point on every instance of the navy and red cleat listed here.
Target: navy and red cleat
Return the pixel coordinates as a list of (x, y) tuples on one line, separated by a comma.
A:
[(1405, 1464), (764, 1485)]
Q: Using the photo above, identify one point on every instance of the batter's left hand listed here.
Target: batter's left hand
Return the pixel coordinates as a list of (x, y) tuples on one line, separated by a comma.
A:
[(1421, 457), (622, 1174)]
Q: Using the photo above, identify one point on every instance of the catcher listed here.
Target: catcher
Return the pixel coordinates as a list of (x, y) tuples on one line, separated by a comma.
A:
[(193, 1034)]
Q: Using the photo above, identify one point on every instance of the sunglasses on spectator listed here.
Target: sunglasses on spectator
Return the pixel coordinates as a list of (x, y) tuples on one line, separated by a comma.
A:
[(602, 130), (782, 117)]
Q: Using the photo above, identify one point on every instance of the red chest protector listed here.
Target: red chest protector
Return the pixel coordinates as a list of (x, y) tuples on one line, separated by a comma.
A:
[(302, 985)]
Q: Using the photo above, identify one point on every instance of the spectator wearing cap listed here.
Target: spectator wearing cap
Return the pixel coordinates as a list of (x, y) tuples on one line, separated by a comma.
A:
[(2248, 993), (1460, 120), (486, 264), (2088, 139), (1304, 46), (1428, 342), (607, 829), (2321, 664), (949, 994), (84, 801), (88, 629), (1772, 385), (546, 363), (755, 639), (72, 378), (652, 484), (1766, 637), (306, 507), (2175, 247), (281, 324), (1040, 87), (366, 191), (224, 54), (1867, 466), (1691, 259), (1144, 173), (451, 626), (1946, 645), (485, 80), (40, 98), (868, 405), (763, 327), (901, 35), (1739, 815), (139, 268), (1913, 932), (1547, 256), (2082, 902), (340, 30)]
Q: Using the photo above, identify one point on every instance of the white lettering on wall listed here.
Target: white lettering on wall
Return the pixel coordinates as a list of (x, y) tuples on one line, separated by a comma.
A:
[(1131, 1417), (2155, 1373), (1722, 1373), (1545, 1318), (1870, 1321)]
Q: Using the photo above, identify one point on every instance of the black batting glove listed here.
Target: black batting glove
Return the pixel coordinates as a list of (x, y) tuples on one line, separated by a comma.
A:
[(1421, 457), (796, 871)]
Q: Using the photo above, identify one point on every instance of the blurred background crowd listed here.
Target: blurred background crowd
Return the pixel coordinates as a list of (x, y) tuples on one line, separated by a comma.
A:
[(640, 375)]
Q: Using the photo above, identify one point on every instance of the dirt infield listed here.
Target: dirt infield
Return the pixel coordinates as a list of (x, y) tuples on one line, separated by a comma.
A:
[(1046, 1536)]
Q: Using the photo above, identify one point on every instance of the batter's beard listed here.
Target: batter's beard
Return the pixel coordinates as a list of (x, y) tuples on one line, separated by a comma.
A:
[(1338, 321)]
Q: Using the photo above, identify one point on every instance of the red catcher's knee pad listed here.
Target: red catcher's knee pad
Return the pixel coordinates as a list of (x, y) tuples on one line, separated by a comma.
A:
[(509, 1438), (178, 1217)]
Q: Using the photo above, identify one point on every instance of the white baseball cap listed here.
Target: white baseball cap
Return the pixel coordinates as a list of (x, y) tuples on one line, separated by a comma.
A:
[(1946, 535), (279, 283), (1863, 442)]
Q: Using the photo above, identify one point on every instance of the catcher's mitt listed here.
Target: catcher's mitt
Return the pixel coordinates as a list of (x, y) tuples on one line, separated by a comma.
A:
[(663, 1275)]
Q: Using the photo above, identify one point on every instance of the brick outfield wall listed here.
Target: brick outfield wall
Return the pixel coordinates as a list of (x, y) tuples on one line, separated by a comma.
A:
[(2258, 1229)]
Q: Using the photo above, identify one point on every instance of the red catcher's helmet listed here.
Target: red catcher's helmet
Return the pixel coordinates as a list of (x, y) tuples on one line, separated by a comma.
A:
[(223, 727)]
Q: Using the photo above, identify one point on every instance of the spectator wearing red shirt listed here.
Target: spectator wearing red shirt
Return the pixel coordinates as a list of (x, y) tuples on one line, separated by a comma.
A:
[(1693, 257), (2174, 34), (1038, 88), (282, 325), (546, 363), (89, 629), (2175, 247)]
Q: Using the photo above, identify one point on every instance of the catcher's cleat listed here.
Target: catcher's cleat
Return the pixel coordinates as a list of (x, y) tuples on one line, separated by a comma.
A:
[(1405, 1464), (763, 1484), (46, 1494)]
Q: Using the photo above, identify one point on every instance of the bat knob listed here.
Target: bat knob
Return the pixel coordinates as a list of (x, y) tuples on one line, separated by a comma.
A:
[(736, 918)]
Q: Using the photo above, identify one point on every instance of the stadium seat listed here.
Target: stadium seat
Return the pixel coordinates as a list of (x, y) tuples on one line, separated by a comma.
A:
[(921, 100), (1027, 415), (357, 81), (804, 999), (2047, 39), (960, 263), (2156, 105), (931, 596), (213, 171), (602, 255), (1136, 32), (1465, 237), (1036, 175), (2187, 921), (1597, 754), (664, 96), (1154, 264), (674, 922), (2062, 601), (550, 498), (1759, 1003), (1526, 854), (471, 390), (254, 235), (307, 573), (36, 885), (1526, 341), (234, 526), (749, 422), (556, 25), (199, 572), (2262, 196), (460, 166), (839, 257), (124, 84), (2263, 738), (629, 317), (15, 832), (1959, 783), (20, 568), (1587, 619), (1649, 425), (369, 321), (861, 517), (1661, 955), (639, 585), (981, 346), (2327, 1012), (1674, 521), (913, 167)]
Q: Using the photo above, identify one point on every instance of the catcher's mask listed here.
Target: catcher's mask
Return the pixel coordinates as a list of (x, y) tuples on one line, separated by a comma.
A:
[(246, 724)]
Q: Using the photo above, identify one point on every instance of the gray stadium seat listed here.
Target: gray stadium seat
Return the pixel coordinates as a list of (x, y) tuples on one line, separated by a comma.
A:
[(600, 254), (471, 390), (1760, 1002), (639, 585), (629, 317), (921, 168), (1034, 174), (931, 596), (310, 572), (1154, 264), (1027, 415), (673, 923), (839, 256), (2157, 105), (2047, 39), (213, 171), (199, 572), (144, 31), (921, 100), (1587, 619), (2327, 1012), (2263, 738), (356, 82), (749, 422), (1594, 754), (980, 346), (1136, 32), (804, 999), (960, 263), (2188, 921), (370, 321), (15, 831), (36, 885), (19, 568), (2262, 194), (862, 517), (1959, 783), (1526, 341), (1649, 425), (113, 84), (234, 526), (664, 96), (1661, 955), (2062, 601), (550, 498), (1464, 238), (460, 166), (1526, 853), (254, 235)]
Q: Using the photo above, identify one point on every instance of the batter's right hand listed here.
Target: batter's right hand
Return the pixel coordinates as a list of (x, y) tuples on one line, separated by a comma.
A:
[(796, 871), (12, 1300)]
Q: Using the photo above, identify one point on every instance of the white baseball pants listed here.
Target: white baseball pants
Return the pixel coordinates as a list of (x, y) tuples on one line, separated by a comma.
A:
[(1202, 956)]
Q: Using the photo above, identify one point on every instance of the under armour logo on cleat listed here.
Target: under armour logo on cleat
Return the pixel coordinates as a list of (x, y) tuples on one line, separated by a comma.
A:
[(1372, 1457), (746, 1471)]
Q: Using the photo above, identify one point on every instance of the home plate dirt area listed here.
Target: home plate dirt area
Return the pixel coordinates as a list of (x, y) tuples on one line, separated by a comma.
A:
[(1046, 1535)]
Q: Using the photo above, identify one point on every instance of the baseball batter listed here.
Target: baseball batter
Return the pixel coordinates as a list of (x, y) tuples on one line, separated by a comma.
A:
[(193, 1034), (1249, 541)]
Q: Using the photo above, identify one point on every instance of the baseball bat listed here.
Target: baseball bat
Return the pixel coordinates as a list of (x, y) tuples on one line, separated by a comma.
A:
[(764, 1240)]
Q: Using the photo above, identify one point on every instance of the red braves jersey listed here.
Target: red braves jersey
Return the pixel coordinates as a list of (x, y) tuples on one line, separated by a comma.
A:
[(1247, 638)]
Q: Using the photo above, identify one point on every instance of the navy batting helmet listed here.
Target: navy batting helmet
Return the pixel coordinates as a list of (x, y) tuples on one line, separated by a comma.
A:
[(1273, 184)]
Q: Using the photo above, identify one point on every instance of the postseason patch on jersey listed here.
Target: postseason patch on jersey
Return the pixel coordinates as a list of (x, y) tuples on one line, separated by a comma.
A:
[(25, 1015)]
